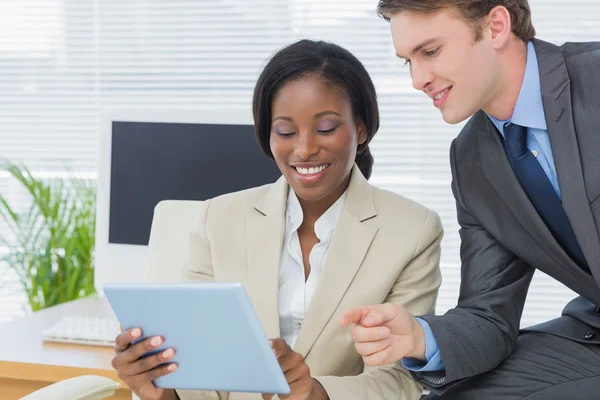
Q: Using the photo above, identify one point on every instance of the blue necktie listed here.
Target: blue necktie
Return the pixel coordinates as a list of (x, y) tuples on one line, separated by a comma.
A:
[(538, 188)]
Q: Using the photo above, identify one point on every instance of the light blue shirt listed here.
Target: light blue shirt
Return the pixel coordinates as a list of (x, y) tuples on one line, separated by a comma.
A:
[(528, 112), (432, 353)]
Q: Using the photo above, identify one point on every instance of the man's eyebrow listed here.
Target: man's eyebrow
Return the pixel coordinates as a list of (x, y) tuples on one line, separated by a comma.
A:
[(418, 47)]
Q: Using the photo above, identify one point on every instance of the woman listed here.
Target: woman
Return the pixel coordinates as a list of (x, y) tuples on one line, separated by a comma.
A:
[(315, 243)]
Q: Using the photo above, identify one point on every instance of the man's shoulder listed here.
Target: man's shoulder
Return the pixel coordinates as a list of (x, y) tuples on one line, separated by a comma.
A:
[(582, 61), (469, 133), (577, 49)]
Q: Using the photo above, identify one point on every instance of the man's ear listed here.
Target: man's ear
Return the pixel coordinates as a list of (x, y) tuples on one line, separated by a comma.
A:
[(499, 26)]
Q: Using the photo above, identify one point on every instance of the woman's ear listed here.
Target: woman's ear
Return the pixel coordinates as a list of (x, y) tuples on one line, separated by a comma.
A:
[(362, 132)]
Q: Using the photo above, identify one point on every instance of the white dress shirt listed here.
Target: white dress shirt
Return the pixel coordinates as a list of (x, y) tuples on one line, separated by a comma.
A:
[(295, 292)]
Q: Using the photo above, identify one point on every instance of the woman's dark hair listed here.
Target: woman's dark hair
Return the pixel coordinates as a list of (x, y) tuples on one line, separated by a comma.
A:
[(337, 67)]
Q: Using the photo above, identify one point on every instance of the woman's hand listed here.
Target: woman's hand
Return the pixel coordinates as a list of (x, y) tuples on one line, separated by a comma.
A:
[(303, 386), (138, 373)]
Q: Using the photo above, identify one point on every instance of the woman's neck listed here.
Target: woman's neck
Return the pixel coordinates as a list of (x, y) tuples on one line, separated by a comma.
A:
[(313, 210)]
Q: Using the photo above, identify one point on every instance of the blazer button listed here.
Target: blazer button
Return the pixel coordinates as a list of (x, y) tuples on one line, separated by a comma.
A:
[(589, 335)]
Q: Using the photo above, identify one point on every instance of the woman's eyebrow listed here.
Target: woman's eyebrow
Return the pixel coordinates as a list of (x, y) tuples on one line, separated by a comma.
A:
[(283, 118), (328, 112)]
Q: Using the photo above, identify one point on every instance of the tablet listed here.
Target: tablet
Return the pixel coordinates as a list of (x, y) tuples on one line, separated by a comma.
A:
[(219, 343)]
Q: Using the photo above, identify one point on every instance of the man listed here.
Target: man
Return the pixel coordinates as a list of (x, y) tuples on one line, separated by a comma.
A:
[(526, 179)]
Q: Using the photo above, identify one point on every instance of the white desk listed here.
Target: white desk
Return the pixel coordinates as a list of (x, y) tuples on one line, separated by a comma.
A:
[(27, 363)]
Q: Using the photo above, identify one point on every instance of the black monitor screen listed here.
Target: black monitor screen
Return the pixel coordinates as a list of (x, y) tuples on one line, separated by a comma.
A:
[(152, 162)]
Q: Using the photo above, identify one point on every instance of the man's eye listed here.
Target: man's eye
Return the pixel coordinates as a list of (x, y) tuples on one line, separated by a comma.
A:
[(431, 53)]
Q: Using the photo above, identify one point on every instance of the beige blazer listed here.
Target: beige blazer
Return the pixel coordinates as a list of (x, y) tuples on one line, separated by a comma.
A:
[(386, 248)]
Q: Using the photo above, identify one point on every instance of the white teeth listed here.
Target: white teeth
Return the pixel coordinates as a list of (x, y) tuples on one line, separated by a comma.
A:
[(311, 170), (440, 95)]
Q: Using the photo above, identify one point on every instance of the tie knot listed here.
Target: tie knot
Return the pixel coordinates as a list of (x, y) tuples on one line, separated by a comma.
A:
[(516, 139)]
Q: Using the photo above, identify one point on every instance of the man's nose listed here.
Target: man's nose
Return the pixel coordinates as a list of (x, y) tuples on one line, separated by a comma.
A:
[(421, 77)]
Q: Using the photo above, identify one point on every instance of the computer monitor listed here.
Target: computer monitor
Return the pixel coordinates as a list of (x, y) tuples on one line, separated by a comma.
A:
[(150, 156)]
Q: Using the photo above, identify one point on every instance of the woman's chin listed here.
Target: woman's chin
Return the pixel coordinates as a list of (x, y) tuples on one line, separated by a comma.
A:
[(319, 190), (310, 194)]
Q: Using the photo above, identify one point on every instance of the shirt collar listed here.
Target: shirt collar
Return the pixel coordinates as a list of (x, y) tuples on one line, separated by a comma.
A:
[(326, 222), (529, 109)]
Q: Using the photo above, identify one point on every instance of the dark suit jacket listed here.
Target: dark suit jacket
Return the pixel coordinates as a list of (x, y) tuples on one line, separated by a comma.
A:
[(504, 240)]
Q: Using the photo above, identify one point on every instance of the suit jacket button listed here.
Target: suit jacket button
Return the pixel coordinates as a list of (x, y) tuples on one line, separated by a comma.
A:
[(589, 335)]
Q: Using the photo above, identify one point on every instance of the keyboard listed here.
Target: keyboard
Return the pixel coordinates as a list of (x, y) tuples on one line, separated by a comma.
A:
[(95, 331)]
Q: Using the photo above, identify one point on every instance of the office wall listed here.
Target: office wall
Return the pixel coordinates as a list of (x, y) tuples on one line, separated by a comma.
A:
[(63, 61)]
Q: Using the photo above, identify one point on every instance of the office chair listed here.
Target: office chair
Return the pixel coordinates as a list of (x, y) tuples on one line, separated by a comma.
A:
[(169, 236), (85, 387)]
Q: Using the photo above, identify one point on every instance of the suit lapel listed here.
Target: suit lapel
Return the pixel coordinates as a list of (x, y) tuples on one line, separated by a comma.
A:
[(351, 240), (499, 173), (556, 96), (264, 239)]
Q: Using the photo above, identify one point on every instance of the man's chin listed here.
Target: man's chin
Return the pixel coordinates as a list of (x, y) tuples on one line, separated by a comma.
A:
[(453, 118)]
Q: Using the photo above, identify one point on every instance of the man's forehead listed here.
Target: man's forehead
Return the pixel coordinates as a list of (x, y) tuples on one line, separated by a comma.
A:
[(411, 21), (412, 32)]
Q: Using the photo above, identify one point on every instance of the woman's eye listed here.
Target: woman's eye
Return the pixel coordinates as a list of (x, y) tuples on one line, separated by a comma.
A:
[(327, 127), (285, 133), (327, 130)]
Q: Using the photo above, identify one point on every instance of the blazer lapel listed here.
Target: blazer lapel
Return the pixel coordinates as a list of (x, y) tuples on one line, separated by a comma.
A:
[(556, 96), (264, 239), (351, 240), (499, 173)]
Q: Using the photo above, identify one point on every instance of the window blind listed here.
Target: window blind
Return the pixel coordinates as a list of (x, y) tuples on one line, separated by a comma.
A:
[(63, 61)]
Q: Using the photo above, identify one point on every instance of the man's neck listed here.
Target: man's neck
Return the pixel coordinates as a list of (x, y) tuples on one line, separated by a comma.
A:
[(509, 84)]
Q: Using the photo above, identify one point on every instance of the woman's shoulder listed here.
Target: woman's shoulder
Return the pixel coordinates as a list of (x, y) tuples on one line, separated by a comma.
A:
[(396, 208), (238, 202)]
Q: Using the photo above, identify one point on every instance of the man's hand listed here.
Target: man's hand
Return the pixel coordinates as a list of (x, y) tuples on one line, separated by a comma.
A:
[(385, 333), (297, 373)]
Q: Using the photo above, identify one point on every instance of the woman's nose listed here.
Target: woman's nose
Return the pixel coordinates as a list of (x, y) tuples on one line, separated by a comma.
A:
[(306, 145)]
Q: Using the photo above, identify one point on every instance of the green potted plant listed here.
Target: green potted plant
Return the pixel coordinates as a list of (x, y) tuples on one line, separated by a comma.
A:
[(50, 242)]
